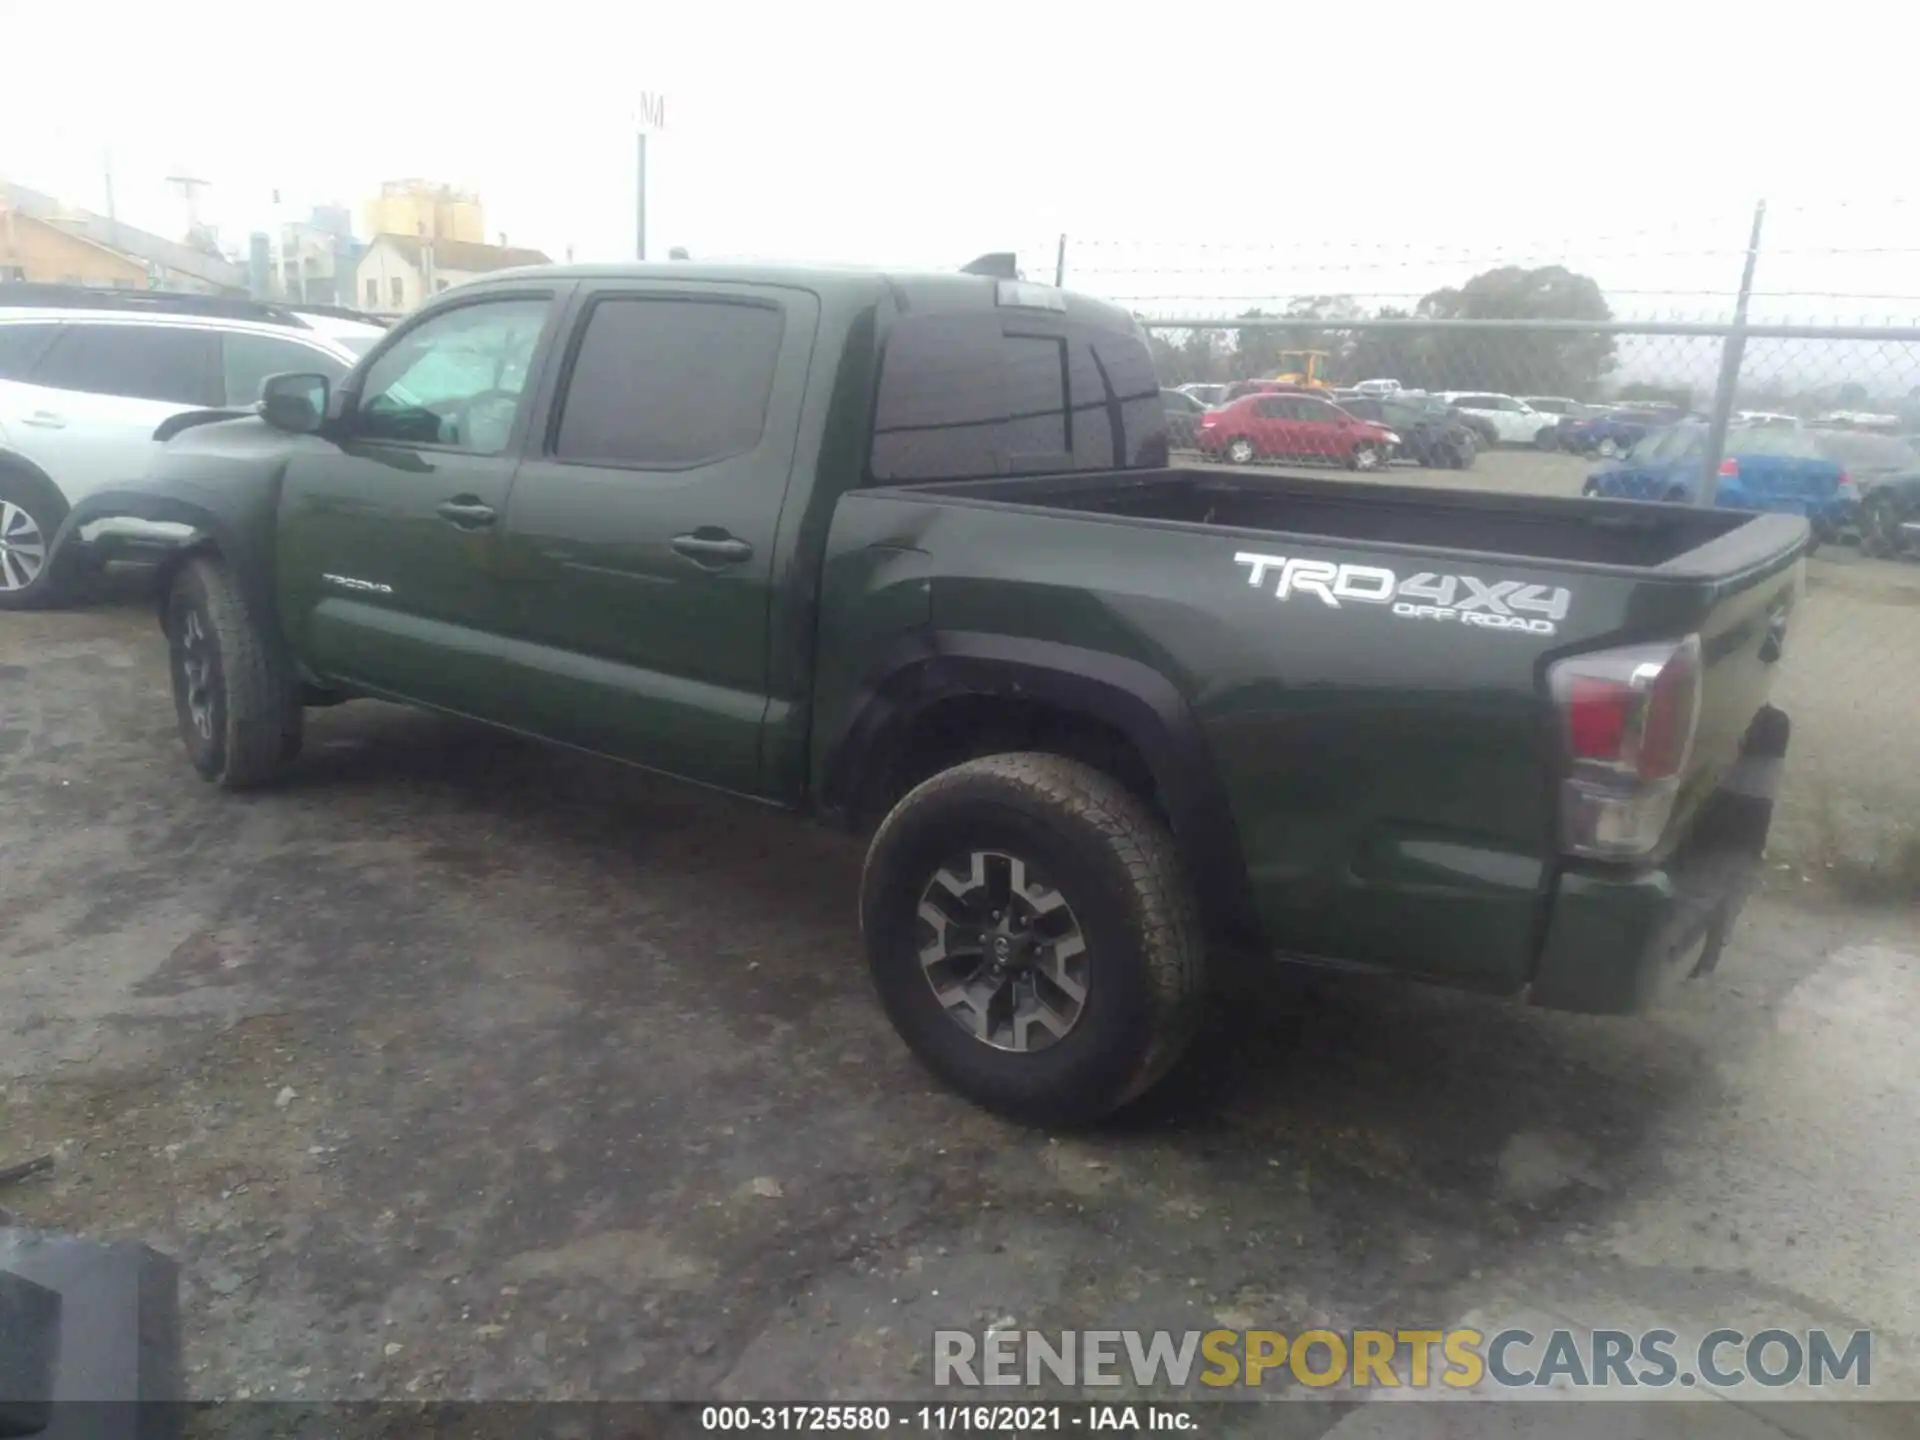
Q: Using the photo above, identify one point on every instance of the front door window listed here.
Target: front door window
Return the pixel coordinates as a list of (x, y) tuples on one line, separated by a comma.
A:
[(455, 381)]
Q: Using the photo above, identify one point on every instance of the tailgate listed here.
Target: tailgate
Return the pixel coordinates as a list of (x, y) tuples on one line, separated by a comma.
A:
[(1743, 628), (1653, 726)]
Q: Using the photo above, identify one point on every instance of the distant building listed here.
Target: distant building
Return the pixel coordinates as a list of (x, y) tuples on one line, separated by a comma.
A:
[(398, 272), (43, 252), (161, 263), (426, 209), (318, 257)]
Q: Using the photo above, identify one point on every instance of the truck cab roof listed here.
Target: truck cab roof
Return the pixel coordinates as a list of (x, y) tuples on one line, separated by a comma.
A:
[(854, 284)]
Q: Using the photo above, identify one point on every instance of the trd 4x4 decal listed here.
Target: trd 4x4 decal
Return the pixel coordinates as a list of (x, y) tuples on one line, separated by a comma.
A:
[(1456, 599)]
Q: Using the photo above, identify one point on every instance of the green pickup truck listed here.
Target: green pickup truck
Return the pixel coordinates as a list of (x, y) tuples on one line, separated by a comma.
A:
[(906, 552)]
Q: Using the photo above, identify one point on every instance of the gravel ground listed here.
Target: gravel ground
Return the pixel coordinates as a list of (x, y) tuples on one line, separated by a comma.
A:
[(459, 1067)]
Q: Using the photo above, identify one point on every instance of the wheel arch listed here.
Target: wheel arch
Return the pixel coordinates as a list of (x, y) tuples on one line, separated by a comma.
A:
[(19, 469), (946, 697)]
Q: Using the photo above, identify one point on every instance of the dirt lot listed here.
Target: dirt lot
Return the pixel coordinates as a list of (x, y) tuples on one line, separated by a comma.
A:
[(458, 1067)]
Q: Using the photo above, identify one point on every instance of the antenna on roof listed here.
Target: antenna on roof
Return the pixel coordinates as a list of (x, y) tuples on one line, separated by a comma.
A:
[(1000, 265)]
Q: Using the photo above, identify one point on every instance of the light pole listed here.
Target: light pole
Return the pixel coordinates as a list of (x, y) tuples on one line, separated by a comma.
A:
[(650, 115)]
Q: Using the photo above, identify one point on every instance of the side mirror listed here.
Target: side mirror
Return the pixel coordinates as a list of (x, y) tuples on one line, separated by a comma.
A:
[(294, 403)]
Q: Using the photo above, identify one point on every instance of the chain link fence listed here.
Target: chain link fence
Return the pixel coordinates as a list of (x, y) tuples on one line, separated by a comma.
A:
[(1709, 396)]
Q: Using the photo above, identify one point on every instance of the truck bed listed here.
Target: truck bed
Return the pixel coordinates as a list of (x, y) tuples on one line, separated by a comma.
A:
[(1366, 664), (1672, 539)]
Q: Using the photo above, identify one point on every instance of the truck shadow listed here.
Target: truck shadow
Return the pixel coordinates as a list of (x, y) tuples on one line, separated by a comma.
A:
[(1395, 1098)]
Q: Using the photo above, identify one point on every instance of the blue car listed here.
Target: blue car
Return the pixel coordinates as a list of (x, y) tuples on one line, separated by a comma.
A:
[(1784, 471), (1615, 432)]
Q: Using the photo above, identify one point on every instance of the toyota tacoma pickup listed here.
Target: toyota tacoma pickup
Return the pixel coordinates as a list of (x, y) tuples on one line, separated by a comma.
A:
[(906, 552)]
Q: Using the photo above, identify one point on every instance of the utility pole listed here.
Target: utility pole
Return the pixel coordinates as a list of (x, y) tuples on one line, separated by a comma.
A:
[(190, 189), (106, 166), (1060, 265), (1731, 354)]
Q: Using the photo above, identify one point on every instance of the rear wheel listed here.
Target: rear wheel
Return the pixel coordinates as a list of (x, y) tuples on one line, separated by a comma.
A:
[(30, 515), (238, 711), (1880, 533), (1365, 457), (1030, 930), (1241, 451), (1548, 439), (1608, 447)]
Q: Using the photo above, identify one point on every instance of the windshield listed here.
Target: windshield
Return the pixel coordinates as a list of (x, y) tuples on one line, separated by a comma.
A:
[(1879, 453)]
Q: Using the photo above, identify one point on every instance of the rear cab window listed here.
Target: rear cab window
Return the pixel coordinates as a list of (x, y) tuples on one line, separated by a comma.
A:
[(966, 395)]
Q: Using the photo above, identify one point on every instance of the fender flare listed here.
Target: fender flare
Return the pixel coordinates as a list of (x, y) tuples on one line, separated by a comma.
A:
[(1124, 695), (210, 530)]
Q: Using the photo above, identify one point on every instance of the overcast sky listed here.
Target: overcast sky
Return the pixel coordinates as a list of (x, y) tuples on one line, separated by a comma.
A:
[(1216, 155)]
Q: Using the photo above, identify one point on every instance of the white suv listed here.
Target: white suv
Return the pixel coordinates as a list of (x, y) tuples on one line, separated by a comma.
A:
[(1514, 421), (85, 376)]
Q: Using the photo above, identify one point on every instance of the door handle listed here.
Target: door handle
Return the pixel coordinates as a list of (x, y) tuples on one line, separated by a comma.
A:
[(711, 549), (467, 513), (46, 420)]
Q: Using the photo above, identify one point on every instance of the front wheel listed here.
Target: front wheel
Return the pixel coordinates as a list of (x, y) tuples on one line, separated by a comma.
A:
[(1241, 451), (1032, 935), (1607, 448), (1365, 457), (238, 711)]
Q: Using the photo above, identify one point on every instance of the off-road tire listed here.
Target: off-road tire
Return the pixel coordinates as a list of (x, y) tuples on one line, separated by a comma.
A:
[(255, 709), (1118, 868)]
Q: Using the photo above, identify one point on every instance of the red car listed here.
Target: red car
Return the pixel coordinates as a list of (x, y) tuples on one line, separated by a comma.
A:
[(1294, 427)]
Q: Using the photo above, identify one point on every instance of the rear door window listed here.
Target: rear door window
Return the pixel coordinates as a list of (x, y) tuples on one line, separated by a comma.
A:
[(661, 382), (172, 363)]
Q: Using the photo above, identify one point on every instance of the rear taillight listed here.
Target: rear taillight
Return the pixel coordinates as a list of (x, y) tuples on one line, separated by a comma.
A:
[(1730, 469), (1207, 419), (1847, 490), (1627, 721)]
